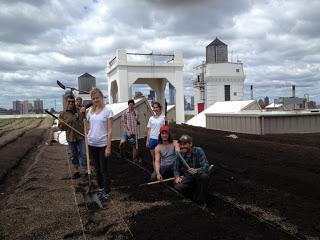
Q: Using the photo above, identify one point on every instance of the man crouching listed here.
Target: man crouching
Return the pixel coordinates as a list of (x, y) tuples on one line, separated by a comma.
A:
[(191, 170)]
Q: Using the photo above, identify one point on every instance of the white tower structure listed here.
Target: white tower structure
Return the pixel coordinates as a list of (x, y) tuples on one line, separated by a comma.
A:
[(217, 79), (122, 74)]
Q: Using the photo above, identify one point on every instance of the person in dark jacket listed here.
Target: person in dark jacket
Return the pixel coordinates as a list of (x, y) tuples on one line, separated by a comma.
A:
[(74, 117), (191, 170)]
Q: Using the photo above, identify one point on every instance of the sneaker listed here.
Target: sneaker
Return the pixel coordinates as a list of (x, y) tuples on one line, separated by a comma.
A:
[(76, 175), (211, 169), (104, 196)]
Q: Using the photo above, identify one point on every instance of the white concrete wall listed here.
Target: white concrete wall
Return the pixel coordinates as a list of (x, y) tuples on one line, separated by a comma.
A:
[(155, 74), (215, 89), (224, 69), (216, 76)]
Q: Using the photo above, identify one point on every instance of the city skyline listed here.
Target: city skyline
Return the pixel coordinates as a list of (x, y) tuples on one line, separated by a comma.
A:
[(42, 42)]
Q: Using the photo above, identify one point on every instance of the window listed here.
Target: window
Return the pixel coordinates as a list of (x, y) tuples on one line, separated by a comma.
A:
[(234, 94), (237, 70), (227, 92)]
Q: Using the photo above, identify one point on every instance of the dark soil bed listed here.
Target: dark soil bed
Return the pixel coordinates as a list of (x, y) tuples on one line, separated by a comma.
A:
[(278, 174)]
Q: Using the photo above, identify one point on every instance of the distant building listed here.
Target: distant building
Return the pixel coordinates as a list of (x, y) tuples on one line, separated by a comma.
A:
[(308, 105), (4, 111), (86, 82), (172, 94), (192, 102), (17, 106), (261, 103), (266, 101), (25, 107), (312, 104), (216, 79), (38, 106), (152, 95)]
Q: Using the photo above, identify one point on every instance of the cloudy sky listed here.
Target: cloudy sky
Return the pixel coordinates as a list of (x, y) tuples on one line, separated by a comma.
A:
[(42, 41)]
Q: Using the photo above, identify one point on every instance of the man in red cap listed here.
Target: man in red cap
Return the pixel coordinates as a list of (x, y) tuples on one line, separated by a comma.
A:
[(165, 155)]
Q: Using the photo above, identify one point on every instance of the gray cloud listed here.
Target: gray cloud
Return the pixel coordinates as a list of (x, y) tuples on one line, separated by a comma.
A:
[(42, 41)]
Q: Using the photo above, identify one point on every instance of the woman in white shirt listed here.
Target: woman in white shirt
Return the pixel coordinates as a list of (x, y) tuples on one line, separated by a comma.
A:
[(99, 139), (153, 128)]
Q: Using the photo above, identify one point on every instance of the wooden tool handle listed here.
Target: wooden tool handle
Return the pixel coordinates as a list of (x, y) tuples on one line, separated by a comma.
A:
[(87, 146), (68, 125), (155, 182), (183, 161)]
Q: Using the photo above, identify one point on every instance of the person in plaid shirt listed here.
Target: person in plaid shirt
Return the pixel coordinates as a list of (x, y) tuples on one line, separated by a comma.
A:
[(191, 170), (130, 120)]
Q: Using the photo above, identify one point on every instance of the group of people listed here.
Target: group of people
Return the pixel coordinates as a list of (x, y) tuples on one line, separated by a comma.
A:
[(170, 158), (183, 161), (99, 119)]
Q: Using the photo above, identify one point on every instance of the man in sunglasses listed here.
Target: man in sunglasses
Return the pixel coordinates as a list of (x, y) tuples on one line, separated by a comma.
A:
[(74, 117), (191, 170)]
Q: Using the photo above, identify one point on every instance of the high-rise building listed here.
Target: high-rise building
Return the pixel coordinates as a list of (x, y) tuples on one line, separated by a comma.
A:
[(192, 103), (185, 102), (86, 82), (266, 101), (152, 95), (172, 94), (17, 106), (25, 107), (38, 106), (262, 103)]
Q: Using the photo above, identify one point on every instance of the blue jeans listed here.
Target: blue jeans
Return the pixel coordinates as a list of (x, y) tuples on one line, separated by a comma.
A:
[(152, 143), (131, 140), (78, 153), (166, 171)]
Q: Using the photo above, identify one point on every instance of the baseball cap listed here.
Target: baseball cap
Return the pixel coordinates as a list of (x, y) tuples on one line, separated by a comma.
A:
[(185, 139), (164, 128)]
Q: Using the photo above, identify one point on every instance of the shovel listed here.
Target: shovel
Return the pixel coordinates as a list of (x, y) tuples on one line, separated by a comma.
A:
[(89, 196)]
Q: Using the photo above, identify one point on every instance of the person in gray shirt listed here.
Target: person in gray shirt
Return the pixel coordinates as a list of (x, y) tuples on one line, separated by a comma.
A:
[(165, 155)]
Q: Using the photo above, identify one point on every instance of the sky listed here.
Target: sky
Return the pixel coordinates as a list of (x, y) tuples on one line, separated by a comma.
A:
[(44, 41)]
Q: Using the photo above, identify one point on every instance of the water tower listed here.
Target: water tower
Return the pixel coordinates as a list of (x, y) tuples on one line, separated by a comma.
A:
[(217, 79)]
